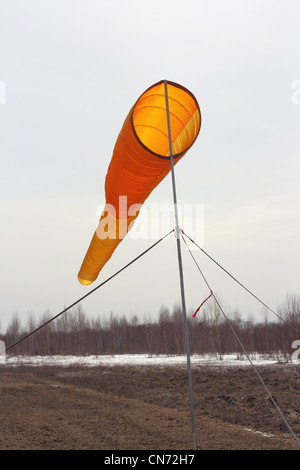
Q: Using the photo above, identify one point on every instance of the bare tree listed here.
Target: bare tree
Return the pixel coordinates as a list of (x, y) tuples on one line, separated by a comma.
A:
[(13, 333)]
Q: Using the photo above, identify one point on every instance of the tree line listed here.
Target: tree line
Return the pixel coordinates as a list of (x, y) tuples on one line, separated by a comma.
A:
[(75, 333)]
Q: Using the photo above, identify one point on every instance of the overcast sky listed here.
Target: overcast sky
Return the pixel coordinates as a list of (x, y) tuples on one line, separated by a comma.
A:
[(70, 70)]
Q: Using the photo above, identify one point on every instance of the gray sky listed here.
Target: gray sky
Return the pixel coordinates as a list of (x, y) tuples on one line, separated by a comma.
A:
[(71, 70)]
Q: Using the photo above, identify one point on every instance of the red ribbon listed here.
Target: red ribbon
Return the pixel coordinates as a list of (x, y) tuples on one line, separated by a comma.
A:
[(202, 304)]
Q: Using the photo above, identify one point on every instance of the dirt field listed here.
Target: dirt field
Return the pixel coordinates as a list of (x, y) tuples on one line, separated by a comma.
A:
[(147, 408)]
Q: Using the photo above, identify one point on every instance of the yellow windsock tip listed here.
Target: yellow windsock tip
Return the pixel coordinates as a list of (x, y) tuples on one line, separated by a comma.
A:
[(85, 282)]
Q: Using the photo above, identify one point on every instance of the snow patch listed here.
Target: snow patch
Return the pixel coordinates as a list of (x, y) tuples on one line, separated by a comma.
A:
[(264, 434), (137, 359)]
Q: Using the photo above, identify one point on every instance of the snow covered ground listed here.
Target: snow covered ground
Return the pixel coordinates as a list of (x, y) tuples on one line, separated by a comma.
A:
[(137, 359)]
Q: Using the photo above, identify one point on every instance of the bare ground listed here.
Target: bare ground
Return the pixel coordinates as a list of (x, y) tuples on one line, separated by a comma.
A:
[(147, 408)]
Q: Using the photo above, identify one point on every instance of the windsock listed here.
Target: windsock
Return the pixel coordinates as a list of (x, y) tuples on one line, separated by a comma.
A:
[(140, 161)]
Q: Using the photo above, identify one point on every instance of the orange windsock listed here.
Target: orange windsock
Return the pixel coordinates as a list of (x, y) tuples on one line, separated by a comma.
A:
[(140, 161)]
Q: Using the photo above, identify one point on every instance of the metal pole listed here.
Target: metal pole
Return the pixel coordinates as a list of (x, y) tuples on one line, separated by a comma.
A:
[(181, 271)]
